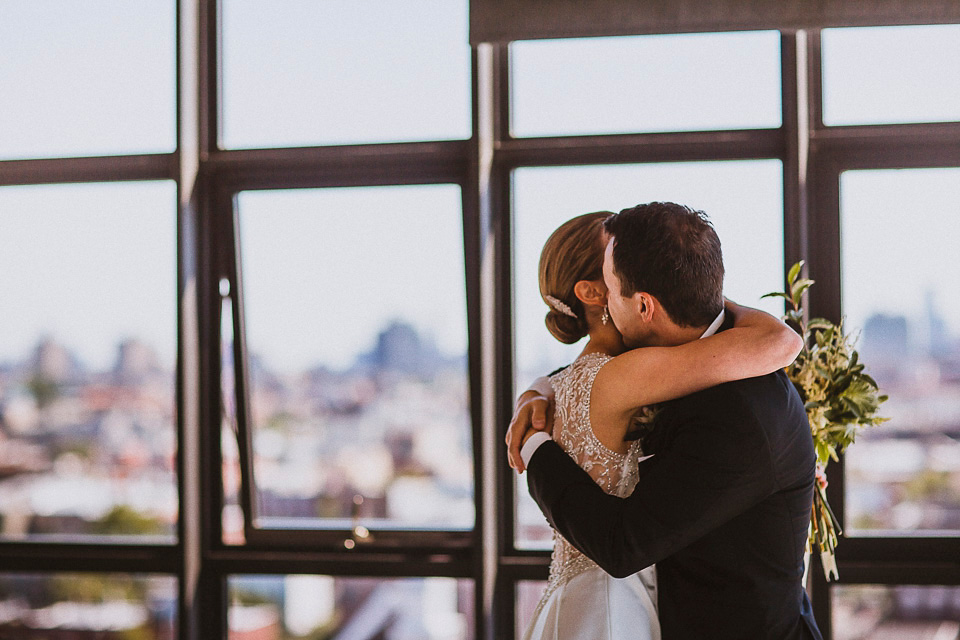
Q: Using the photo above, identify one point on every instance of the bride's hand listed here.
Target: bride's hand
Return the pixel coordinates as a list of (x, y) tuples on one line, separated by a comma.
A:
[(534, 412)]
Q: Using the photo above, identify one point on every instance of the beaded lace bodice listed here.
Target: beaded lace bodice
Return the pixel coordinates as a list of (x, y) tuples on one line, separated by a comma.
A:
[(616, 473)]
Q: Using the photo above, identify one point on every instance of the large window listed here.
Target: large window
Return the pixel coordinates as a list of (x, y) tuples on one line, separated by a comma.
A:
[(338, 72), (647, 83), (268, 288), (886, 75), (904, 475), (356, 335), (87, 361), (297, 606), (88, 605), (903, 611), (85, 79)]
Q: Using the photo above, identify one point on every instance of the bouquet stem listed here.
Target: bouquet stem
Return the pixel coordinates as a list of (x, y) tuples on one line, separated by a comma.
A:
[(823, 533)]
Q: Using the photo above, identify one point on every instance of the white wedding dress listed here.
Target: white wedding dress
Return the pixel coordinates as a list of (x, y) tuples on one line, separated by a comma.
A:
[(582, 601)]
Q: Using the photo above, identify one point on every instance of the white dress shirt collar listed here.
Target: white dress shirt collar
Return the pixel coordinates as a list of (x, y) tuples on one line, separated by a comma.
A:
[(712, 329)]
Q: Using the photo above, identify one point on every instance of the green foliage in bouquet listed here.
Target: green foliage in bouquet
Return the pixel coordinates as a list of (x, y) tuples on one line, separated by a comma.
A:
[(839, 397)]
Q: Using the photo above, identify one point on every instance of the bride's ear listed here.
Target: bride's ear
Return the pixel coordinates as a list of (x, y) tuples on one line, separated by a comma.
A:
[(591, 292)]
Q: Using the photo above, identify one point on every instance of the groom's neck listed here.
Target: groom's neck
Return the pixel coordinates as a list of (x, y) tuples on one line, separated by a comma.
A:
[(673, 335)]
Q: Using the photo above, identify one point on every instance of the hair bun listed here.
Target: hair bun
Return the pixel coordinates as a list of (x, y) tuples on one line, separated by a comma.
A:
[(564, 328), (573, 252)]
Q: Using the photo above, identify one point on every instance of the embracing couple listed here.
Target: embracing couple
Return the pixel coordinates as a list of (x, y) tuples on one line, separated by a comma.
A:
[(673, 457)]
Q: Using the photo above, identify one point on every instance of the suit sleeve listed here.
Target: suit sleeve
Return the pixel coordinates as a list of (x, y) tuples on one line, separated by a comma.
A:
[(716, 465)]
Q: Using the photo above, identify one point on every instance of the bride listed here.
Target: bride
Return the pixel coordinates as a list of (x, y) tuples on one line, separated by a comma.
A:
[(602, 401)]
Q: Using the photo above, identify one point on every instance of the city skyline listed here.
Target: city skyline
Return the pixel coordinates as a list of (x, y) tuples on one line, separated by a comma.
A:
[(925, 328), (423, 342)]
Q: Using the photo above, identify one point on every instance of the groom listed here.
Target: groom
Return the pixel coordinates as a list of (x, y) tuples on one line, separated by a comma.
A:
[(722, 505)]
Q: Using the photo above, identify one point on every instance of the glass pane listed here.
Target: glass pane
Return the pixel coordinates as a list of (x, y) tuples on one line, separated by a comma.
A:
[(528, 597), (88, 605), (531, 529), (87, 360), (879, 612), (87, 78), (888, 75), (356, 327), (744, 199), (644, 84), (310, 606), (231, 522), (899, 233), (339, 72)]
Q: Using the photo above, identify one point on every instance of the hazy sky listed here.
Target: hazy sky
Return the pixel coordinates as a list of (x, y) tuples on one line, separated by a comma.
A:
[(564, 87), (326, 269), (899, 237), (87, 78), (92, 264), (89, 265), (301, 72)]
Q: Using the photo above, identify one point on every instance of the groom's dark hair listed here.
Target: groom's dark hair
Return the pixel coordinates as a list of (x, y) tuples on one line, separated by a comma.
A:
[(673, 253)]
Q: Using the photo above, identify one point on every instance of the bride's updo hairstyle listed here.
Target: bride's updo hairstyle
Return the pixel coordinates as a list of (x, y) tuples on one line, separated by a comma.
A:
[(572, 253)]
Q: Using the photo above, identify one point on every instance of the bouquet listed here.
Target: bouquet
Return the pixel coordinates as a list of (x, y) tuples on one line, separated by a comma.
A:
[(840, 400)]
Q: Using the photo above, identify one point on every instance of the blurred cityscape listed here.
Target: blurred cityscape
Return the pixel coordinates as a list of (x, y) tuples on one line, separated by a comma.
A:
[(392, 430), (87, 453), (900, 612), (87, 607), (320, 607), (904, 474)]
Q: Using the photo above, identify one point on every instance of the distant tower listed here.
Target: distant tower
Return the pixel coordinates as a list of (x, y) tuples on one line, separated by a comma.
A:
[(936, 339), (399, 349), (51, 361), (135, 363)]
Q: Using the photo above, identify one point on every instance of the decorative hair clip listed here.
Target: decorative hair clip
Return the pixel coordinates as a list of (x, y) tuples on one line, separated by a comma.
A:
[(561, 306)]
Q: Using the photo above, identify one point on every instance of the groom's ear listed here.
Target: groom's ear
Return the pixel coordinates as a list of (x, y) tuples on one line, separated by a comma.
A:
[(590, 292), (645, 305)]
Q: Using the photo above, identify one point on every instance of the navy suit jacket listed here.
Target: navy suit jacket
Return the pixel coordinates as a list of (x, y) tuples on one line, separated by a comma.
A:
[(722, 508)]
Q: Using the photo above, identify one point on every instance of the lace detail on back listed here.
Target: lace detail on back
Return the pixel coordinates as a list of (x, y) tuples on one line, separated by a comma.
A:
[(616, 473), (573, 432)]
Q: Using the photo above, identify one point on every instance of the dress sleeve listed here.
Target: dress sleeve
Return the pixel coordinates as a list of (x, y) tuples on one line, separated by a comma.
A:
[(716, 465)]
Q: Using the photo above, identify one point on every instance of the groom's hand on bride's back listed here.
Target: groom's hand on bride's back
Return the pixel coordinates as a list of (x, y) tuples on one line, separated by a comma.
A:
[(534, 412)]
